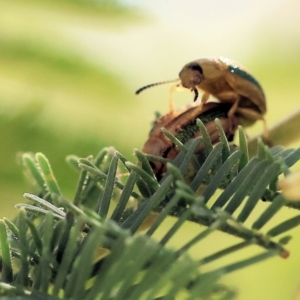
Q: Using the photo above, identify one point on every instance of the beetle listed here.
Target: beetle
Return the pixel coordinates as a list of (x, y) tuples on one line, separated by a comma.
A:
[(182, 124), (227, 81)]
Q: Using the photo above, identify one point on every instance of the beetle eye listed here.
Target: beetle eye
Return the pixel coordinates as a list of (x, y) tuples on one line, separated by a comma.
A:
[(197, 80)]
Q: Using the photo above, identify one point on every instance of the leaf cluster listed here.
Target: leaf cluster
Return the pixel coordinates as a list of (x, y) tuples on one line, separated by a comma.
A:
[(100, 245)]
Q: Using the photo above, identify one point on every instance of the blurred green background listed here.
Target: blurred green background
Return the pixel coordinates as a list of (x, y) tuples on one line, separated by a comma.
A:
[(69, 69)]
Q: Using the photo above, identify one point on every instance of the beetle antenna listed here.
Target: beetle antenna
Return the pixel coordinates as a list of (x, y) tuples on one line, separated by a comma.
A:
[(153, 84), (196, 94)]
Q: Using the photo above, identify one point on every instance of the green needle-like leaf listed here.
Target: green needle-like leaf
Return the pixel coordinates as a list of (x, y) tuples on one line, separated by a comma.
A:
[(123, 200), (206, 138), (222, 172), (35, 236), (45, 268), (100, 176), (67, 258), (174, 140), (258, 191), (171, 204), (188, 157), (225, 252), (80, 187), (246, 262), (48, 175), (12, 227), (244, 148), (284, 226), (233, 186), (6, 270), (214, 226), (145, 162), (45, 204), (179, 144), (184, 217), (136, 219), (106, 196), (292, 158), (270, 211), (23, 274), (82, 266), (208, 164), (223, 140), (149, 181), (30, 164), (245, 183), (72, 161)]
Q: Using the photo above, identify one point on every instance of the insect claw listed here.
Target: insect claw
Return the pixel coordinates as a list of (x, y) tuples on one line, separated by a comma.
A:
[(196, 94)]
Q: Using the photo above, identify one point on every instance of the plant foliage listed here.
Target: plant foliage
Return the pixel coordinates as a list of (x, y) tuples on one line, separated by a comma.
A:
[(93, 248)]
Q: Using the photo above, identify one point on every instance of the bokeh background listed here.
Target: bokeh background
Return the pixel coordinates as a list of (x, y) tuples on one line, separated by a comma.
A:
[(69, 69)]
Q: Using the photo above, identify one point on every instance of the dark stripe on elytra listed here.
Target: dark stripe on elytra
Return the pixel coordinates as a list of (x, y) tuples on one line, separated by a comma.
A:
[(245, 75)]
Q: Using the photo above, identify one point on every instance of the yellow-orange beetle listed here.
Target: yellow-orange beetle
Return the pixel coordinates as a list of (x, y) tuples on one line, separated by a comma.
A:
[(227, 81)]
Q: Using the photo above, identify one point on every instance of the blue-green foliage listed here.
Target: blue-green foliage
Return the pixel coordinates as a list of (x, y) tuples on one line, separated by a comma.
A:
[(57, 246)]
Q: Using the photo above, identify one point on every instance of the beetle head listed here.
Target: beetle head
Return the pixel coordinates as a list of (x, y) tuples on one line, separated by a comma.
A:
[(191, 75)]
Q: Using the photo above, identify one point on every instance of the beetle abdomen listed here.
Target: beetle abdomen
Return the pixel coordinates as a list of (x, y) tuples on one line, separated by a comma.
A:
[(248, 103), (183, 125)]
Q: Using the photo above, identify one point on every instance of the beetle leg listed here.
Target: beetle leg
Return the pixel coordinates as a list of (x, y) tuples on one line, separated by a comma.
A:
[(266, 134), (249, 116), (232, 98), (173, 88), (171, 104), (203, 100), (233, 108), (178, 88)]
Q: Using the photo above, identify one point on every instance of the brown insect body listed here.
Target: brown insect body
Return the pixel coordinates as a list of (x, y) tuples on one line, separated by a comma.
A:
[(241, 100), (229, 82), (180, 123)]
